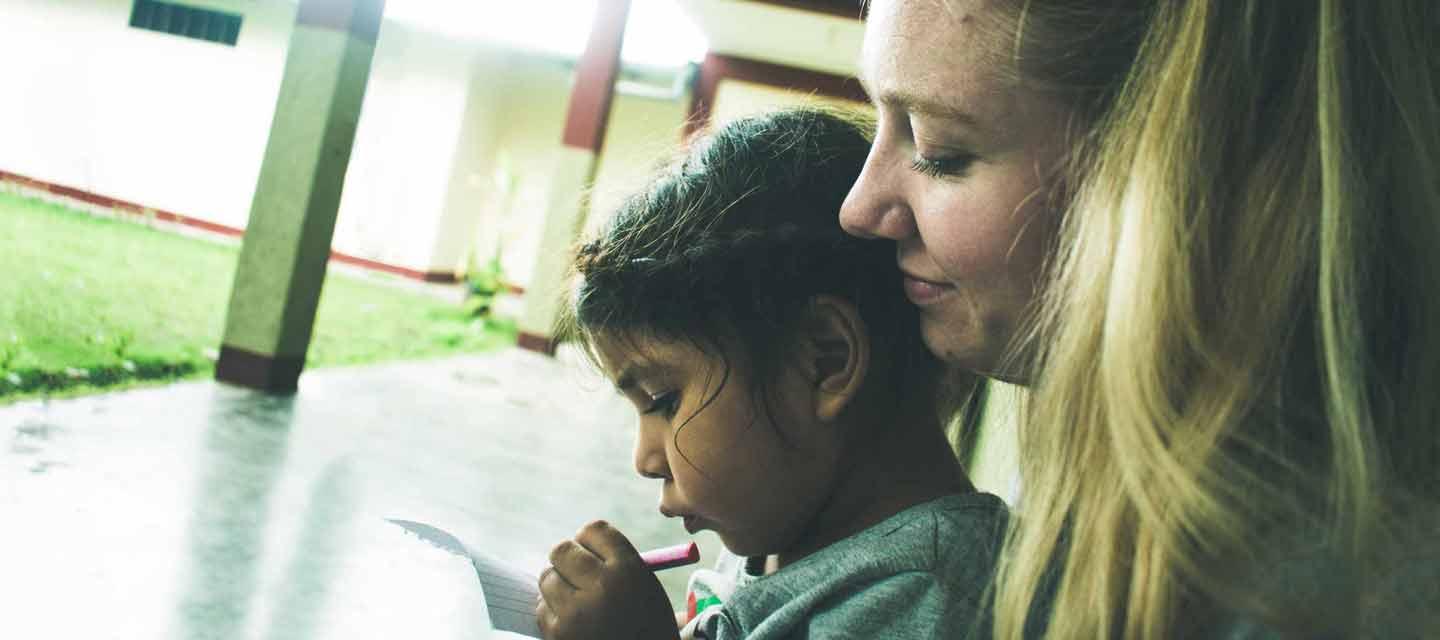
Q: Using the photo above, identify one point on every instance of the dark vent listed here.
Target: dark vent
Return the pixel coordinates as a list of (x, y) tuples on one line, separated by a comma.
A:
[(189, 22)]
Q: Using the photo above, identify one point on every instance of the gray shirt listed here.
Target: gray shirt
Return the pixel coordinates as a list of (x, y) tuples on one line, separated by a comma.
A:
[(923, 573)]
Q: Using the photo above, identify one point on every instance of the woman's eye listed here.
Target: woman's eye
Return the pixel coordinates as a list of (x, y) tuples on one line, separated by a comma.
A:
[(664, 403), (951, 167)]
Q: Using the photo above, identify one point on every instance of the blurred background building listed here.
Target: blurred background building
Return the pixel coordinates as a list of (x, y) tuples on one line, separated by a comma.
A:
[(111, 102), (489, 133)]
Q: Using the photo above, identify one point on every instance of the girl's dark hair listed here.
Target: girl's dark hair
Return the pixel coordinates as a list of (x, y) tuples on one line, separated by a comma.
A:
[(728, 246)]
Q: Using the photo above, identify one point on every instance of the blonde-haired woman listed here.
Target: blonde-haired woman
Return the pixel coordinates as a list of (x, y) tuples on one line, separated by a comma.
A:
[(1206, 235)]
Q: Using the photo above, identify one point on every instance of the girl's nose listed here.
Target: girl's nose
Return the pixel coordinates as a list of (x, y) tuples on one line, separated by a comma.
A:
[(650, 459), (876, 206)]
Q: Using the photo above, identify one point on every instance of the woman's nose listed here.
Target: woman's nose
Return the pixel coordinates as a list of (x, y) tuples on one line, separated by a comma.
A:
[(876, 206), (650, 459)]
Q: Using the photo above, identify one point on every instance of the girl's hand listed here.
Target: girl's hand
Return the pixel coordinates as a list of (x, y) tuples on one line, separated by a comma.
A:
[(597, 587)]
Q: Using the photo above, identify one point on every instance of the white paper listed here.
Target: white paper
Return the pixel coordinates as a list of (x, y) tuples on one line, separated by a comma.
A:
[(510, 596)]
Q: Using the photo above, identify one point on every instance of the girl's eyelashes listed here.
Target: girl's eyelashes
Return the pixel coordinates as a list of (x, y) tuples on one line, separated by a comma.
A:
[(664, 403), (950, 167)]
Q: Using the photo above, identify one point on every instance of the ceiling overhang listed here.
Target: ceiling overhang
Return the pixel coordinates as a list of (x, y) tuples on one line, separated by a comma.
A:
[(818, 35)]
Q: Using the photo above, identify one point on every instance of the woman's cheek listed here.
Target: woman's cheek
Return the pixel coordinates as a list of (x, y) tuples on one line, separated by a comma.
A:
[(967, 237), (987, 222)]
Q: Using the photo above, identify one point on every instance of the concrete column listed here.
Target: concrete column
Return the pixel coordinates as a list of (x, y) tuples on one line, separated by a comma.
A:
[(574, 173), (287, 240)]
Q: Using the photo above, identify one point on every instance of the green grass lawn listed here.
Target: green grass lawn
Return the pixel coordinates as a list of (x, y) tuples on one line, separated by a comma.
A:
[(90, 302)]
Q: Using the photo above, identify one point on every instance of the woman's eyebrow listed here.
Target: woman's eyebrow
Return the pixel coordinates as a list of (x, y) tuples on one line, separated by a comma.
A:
[(907, 101), (912, 103)]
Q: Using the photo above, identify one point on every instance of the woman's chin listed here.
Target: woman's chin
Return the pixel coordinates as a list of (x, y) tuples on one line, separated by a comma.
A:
[(957, 348), (968, 351)]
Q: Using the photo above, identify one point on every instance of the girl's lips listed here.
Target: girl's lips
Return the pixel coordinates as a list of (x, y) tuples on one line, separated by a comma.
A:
[(692, 522), (922, 292)]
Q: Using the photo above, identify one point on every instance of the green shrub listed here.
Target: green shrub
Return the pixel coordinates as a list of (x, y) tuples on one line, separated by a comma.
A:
[(483, 284)]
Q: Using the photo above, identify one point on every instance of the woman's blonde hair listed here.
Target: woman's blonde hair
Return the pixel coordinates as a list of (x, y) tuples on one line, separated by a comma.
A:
[(1238, 351)]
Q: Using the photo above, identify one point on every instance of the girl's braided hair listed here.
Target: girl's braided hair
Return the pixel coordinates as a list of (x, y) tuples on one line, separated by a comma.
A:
[(729, 245)]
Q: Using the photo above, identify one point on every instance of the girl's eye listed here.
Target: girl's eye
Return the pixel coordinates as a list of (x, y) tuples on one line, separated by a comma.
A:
[(664, 403), (952, 167)]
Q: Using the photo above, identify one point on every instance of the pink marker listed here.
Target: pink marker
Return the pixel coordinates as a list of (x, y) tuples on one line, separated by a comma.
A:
[(671, 557)]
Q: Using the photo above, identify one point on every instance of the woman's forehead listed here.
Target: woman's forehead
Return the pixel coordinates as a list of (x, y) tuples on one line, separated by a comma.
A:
[(937, 54)]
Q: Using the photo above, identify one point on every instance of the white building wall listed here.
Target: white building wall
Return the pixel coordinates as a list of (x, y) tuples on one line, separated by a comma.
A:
[(643, 134), (405, 145), (471, 183), (735, 99), (532, 120), (160, 120), (453, 155)]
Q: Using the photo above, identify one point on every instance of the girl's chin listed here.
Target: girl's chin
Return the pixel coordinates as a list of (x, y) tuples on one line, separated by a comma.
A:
[(741, 547)]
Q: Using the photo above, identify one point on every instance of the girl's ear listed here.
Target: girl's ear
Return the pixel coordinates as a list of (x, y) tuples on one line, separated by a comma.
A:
[(835, 354)]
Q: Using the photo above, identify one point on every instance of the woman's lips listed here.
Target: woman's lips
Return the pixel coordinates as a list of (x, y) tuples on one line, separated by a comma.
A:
[(923, 292), (692, 524)]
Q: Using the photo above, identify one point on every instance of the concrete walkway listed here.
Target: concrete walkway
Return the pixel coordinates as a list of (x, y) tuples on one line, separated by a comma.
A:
[(203, 511)]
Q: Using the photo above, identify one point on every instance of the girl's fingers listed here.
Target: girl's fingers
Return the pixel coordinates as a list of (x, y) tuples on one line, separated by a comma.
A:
[(544, 617), (554, 586), (574, 562), (606, 542)]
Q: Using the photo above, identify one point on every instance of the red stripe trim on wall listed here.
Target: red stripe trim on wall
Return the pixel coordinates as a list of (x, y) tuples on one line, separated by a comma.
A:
[(717, 67), (216, 228), (853, 9), (595, 73), (537, 343)]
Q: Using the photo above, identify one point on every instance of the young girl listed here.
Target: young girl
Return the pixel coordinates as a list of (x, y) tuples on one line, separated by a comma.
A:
[(786, 402)]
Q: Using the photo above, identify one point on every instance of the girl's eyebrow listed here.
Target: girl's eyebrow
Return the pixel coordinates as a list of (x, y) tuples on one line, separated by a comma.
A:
[(631, 374)]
